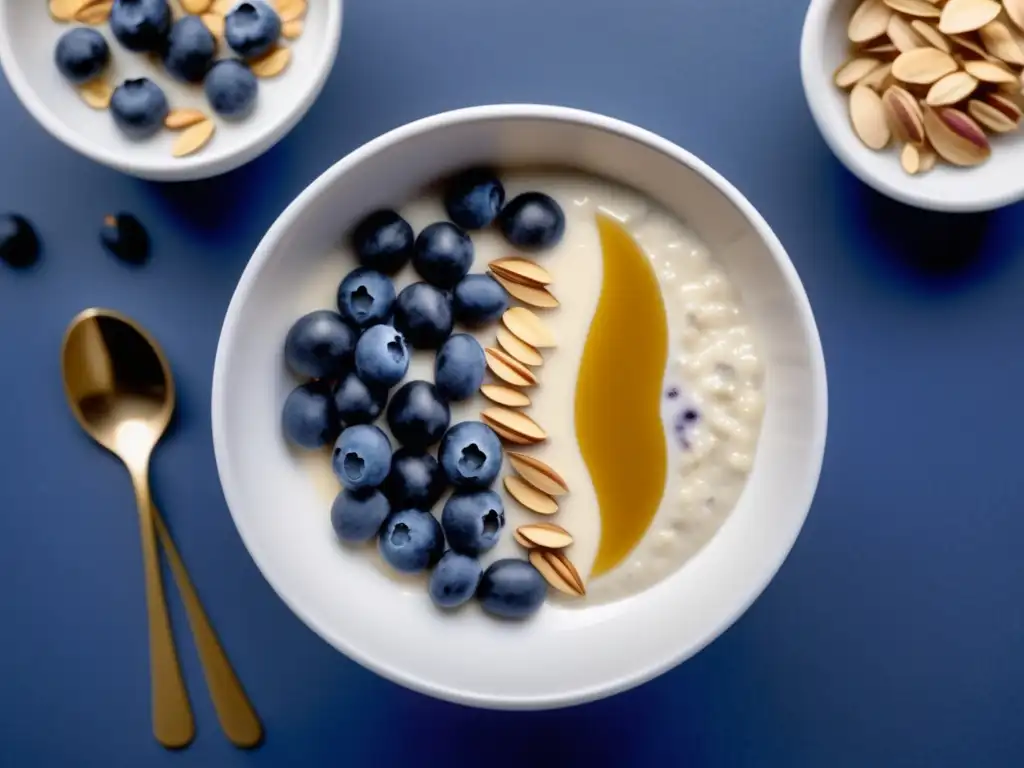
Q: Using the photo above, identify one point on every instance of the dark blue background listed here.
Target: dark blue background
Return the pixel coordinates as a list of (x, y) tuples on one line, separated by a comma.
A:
[(893, 635)]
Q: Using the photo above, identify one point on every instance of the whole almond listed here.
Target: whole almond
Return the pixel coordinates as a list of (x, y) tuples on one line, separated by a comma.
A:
[(534, 296), (904, 115), (931, 35), (545, 535), (920, 8), (1001, 43), (923, 66), (558, 571), (991, 117), (538, 474), (509, 370), (521, 270), (868, 117), (528, 327), (951, 89), (989, 72), (1015, 10), (959, 16), (518, 348), (510, 398), (515, 422), (955, 136), (530, 497), (903, 35), (869, 21)]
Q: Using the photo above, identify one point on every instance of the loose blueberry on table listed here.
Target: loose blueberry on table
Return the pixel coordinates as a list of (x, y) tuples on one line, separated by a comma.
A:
[(309, 418), (382, 356), (251, 29), (532, 221), (459, 367), (139, 107), (357, 516), (424, 315), (190, 49), (19, 243), (415, 480), (125, 237), (357, 402), (511, 589), (81, 55), (473, 521), (454, 580), (417, 415), (479, 300), (470, 455), (443, 254), (141, 25), (383, 241), (231, 89), (319, 345), (411, 540), (365, 298), (362, 457), (474, 199)]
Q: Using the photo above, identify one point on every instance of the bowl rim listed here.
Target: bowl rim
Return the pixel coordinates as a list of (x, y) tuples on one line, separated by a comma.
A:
[(183, 169), (501, 112), (813, 75)]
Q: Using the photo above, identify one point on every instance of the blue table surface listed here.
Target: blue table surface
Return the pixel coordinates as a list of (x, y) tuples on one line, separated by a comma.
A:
[(893, 635)]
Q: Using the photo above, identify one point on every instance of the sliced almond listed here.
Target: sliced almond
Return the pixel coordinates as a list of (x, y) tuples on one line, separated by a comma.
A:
[(910, 159), (545, 535), (508, 369), (878, 80), (959, 16), (509, 437), (515, 422), (194, 138), (855, 70), (223, 7), (904, 115), (923, 66), (926, 161), (868, 117), (530, 295), (215, 23), (518, 348), (558, 571), (65, 10), (989, 72), (1001, 42), (530, 497), (96, 93), (95, 13), (521, 270), (920, 8), (1006, 104), (293, 29), (510, 398), (290, 10), (951, 89), (869, 21), (990, 117), (931, 35), (196, 7), (1015, 10), (955, 136), (528, 327), (521, 541), (538, 474), (272, 64), (903, 35), (182, 118), (885, 49), (967, 44)]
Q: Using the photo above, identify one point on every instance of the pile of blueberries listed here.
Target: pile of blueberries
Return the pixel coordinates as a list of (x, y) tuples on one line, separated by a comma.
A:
[(188, 51), (353, 357)]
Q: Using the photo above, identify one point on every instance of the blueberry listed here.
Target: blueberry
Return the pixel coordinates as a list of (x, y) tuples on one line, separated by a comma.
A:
[(424, 315), (358, 515), (252, 29), (444, 254), (454, 580), (417, 415), (319, 345), (139, 107), (82, 53), (365, 298), (478, 300), (459, 367), (357, 402), (19, 243), (474, 198), (362, 457), (308, 418), (231, 89), (383, 241), (533, 221), (415, 480), (190, 49), (470, 455), (511, 589), (473, 521), (125, 237), (140, 25), (382, 356), (411, 540)]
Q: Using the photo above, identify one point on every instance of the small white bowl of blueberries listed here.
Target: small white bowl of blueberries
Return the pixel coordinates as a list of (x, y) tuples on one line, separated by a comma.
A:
[(169, 90)]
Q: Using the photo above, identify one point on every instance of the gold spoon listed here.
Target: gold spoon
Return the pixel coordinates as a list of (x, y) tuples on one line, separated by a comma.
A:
[(120, 389)]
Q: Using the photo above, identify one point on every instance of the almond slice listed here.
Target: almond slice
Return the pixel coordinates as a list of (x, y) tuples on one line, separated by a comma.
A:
[(1001, 43), (869, 21), (514, 422), (1015, 10), (903, 114), (96, 93), (855, 70), (910, 159), (215, 23), (903, 35), (878, 79), (521, 541), (931, 35), (518, 348), (919, 8), (558, 571), (868, 117), (951, 89), (182, 118), (988, 72), (538, 474), (290, 10), (528, 327), (510, 398), (545, 535), (528, 294), (991, 117), (196, 7), (520, 270), (530, 497), (885, 49), (962, 41), (955, 136), (223, 7), (508, 369), (293, 29), (927, 161), (959, 16), (509, 437), (923, 66), (273, 63), (65, 10), (95, 13), (194, 138)]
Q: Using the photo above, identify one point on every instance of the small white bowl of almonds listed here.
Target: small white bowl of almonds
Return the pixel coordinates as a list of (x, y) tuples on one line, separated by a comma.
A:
[(921, 99), (130, 83)]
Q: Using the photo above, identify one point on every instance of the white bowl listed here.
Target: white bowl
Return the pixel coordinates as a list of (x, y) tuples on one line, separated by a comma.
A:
[(825, 46), (562, 655), (28, 37)]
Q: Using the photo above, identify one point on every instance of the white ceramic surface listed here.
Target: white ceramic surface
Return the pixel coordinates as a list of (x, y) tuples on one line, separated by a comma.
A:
[(825, 46), (28, 37), (562, 656)]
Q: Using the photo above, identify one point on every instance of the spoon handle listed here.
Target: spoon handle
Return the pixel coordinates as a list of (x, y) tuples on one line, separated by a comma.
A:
[(173, 724), (237, 717)]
